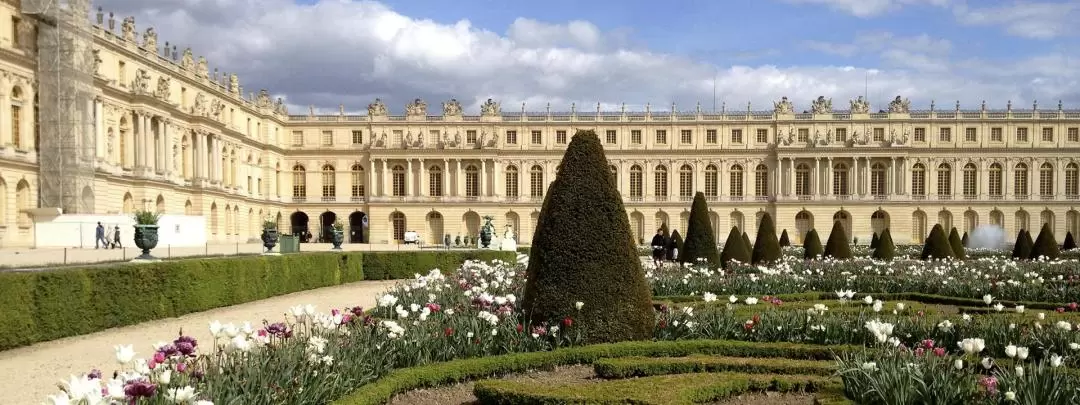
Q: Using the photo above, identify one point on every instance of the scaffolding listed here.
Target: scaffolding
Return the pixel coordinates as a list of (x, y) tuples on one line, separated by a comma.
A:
[(65, 104)]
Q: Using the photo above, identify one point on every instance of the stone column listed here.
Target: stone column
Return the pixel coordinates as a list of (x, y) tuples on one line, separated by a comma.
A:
[(829, 178), (445, 186), (791, 177), (408, 178), (423, 181), (371, 187), (385, 192), (459, 183), (1059, 177), (5, 109), (483, 178), (817, 177), (496, 168), (163, 144), (149, 151)]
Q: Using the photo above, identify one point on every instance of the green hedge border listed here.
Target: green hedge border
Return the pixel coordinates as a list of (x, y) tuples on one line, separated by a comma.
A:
[(930, 299), (438, 374), (52, 304)]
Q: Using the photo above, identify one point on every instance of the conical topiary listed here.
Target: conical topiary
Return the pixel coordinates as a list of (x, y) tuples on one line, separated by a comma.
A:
[(1022, 246), (1070, 242), (937, 245), (581, 253), (664, 231), (747, 244), (700, 241), (874, 241), (784, 241), (837, 246), (964, 239), (1045, 245), (677, 240), (885, 249), (672, 245), (812, 245), (957, 245), (766, 246), (734, 249)]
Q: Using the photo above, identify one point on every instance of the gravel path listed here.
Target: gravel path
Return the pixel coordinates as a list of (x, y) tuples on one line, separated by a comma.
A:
[(29, 374)]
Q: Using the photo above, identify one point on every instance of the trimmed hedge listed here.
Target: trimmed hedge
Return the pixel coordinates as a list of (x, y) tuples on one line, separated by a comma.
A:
[(52, 304), (812, 246), (438, 374), (629, 367), (700, 237)]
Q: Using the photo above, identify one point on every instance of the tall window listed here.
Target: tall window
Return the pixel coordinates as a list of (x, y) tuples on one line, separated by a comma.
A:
[(536, 181), (1048, 134), (736, 136), (840, 135), (511, 181), (661, 136), (879, 134), (1020, 180), (761, 181), (686, 136), (995, 134), (636, 181), (611, 136), (802, 179), (1046, 180), (299, 181), (686, 182), (971, 181), (710, 136), (918, 181), (945, 134), (712, 181), (995, 179), (435, 181), (511, 137), (920, 135), (660, 176), (736, 182), (560, 137), (16, 118), (944, 180), (1021, 134), (537, 137), (840, 179), (762, 136), (357, 183), (398, 180), (878, 178), (397, 220), (1072, 180), (614, 176), (329, 188), (357, 137), (635, 136), (971, 135), (472, 181)]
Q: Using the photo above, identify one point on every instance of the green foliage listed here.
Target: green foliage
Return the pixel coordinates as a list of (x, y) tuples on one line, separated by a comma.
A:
[(937, 245), (631, 367), (665, 231), (885, 249), (1070, 242), (269, 224), (51, 304), (837, 246), (734, 249), (1045, 245), (964, 239), (146, 217), (700, 240), (581, 237), (957, 245), (746, 243), (812, 245), (1022, 246), (338, 225), (766, 246), (874, 241), (677, 239), (784, 240)]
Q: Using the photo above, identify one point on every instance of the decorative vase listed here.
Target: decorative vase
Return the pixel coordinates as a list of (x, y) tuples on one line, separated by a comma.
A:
[(338, 239), (485, 237), (269, 238), (146, 238)]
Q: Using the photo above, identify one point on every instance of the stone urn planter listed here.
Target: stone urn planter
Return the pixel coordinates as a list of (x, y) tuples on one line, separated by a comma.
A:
[(269, 238), (146, 238), (337, 238), (486, 232)]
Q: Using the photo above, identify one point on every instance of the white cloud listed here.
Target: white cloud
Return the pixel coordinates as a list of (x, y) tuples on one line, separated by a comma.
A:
[(1025, 18), (868, 8), (344, 52)]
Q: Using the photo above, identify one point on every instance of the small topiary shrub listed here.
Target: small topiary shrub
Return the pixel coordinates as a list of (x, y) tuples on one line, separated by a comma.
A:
[(837, 245), (874, 241), (734, 249), (746, 243), (937, 245), (580, 238), (675, 244), (812, 245), (1045, 245), (1022, 246), (766, 247), (885, 249), (964, 239), (664, 231), (700, 242), (956, 244), (1070, 242), (784, 241)]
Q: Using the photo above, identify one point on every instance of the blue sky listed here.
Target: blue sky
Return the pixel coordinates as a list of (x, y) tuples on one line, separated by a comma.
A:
[(330, 52)]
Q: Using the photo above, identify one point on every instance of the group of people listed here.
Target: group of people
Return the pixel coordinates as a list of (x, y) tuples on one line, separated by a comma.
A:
[(102, 241), (664, 248)]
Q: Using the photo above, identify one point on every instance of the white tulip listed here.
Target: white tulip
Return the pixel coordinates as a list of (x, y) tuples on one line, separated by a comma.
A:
[(1010, 351), (1019, 371), (988, 299), (1010, 396), (1055, 360), (124, 354), (958, 364)]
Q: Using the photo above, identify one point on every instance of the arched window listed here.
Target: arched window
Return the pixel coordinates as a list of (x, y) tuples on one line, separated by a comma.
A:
[(736, 181), (944, 180), (1046, 180), (918, 186), (878, 179), (536, 181), (329, 186), (636, 180), (686, 183), (435, 181), (918, 227), (397, 221), (299, 181), (398, 179), (1020, 180), (971, 181), (1072, 181), (761, 181), (358, 180), (995, 179), (660, 176), (511, 181), (712, 181)]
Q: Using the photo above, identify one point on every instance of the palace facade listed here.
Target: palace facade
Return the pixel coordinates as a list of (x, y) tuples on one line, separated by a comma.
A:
[(172, 135)]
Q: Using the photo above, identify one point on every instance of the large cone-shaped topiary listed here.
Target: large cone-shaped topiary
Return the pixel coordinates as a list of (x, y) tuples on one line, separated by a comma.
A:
[(964, 239), (837, 246), (675, 245), (734, 249), (1045, 245), (957, 245), (664, 231), (812, 245), (885, 249), (748, 245), (1022, 246), (784, 240), (874, 241), (581, 253), (1070, 242), (700, 242), (937, 245), (766, 246)]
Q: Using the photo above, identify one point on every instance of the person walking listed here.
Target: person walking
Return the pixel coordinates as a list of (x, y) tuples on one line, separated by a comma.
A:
[(116, 238), (658, 244), (99, 237)]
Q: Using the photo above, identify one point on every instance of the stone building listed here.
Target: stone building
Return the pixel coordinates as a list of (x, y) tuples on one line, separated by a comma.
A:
[(174, 136)]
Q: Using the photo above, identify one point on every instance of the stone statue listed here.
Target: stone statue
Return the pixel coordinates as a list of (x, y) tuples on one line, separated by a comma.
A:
[(263, 99), (417, 108), (164, 87), (451, 108), (490, 109), (201, 70), (376, 109), (821, 106), (150, 39), (141, 85), (188, 60), (280, 108), (97, 60), (200, 105), (508, 243), (860, 106), (234, 84), (783, 106), (127, 29), (899, 105), (216, 107)]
